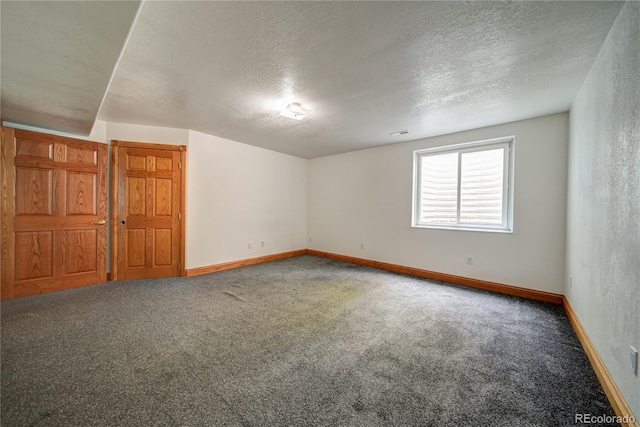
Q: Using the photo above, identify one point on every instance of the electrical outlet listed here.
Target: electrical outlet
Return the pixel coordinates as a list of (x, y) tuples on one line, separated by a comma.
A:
[(249, 245), (262, 244), (634, 360), (361, 245), (470, 260)]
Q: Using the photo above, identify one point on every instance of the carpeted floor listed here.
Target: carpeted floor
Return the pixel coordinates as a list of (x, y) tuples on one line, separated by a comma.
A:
[(305, 341)]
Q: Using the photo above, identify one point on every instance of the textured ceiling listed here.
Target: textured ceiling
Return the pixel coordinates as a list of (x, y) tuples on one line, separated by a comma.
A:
[(366, 69), (58, 58)]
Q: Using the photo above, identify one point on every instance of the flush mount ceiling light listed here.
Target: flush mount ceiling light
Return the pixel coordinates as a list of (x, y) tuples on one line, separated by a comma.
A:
[(295, 111), (400, 132)]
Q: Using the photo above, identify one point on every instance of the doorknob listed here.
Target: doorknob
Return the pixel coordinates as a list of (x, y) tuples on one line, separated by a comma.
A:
[(101, 222)]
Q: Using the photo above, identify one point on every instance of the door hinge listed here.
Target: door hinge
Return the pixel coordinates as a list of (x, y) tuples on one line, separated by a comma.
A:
[(179, 165), (179, 215), (179, 266)]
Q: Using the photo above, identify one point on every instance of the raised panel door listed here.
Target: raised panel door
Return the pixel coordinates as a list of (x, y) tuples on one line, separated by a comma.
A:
[(147, 219), (54, 208)]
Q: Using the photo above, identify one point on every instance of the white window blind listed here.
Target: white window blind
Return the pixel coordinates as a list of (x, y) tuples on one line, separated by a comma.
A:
[(464, 186), (481, 187), (438, 189)]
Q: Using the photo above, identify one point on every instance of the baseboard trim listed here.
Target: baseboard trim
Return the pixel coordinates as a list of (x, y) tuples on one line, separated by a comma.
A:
[(449, 278), (609, 386), (242, 263)]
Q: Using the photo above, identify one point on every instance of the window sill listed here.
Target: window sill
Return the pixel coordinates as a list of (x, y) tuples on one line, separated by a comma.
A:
[(483, 230)]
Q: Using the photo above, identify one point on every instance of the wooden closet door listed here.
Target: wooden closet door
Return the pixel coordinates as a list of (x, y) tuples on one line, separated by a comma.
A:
[(147, 220), (54, 209)]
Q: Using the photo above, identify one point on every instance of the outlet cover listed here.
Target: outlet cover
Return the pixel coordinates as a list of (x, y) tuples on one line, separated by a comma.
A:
[(634, 360)]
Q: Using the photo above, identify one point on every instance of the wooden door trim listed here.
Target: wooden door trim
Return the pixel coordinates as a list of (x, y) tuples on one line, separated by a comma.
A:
[(7, 212), (183, 211), (113, 206), (115, 182), (147, 145)]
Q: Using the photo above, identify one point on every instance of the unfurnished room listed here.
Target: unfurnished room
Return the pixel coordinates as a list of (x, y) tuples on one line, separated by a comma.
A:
[(320, 213)]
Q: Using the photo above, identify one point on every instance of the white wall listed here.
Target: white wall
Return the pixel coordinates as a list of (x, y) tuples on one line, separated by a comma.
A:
[(365, 197), (98, 132), (603, 219), (142, 133), (236, 194), (136, 133)]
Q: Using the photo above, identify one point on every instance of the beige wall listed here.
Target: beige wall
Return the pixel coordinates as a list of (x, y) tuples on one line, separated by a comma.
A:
[(239, 194), (141, 133), (98, 132), (365, 197), (236, 194)]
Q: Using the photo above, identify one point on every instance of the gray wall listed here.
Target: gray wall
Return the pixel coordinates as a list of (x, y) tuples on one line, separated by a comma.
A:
[(603, 212)]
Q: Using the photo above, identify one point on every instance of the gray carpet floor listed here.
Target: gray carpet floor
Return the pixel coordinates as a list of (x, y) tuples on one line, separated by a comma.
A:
[(304, 341)]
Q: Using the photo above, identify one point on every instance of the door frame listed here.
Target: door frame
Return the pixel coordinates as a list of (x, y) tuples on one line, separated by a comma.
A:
[(7, 194), (115, 190)]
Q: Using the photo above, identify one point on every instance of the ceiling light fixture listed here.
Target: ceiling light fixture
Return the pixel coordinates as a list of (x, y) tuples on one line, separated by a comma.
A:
[(295, 111), (400, 132)]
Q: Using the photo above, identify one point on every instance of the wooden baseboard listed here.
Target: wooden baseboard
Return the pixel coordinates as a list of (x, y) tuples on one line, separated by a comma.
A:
[(610, 388), (242, 263), (449, 278), (616, 399)]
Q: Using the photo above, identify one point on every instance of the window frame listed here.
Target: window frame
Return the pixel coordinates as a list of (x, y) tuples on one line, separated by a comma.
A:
[(508, 143)]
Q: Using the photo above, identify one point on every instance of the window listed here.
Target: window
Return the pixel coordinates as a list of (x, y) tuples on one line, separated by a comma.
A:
[(465, 186)]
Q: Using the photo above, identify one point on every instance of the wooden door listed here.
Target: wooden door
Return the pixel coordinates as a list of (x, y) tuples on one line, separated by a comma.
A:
[(148, 199), (54, 210)]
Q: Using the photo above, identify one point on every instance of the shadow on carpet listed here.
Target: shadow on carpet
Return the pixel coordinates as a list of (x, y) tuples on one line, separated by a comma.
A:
[(305, 341)]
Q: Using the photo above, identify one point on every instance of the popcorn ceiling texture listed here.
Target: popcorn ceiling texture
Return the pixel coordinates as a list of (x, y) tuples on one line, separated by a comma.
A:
[(603, 227), (57, 60), (366, 69)]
